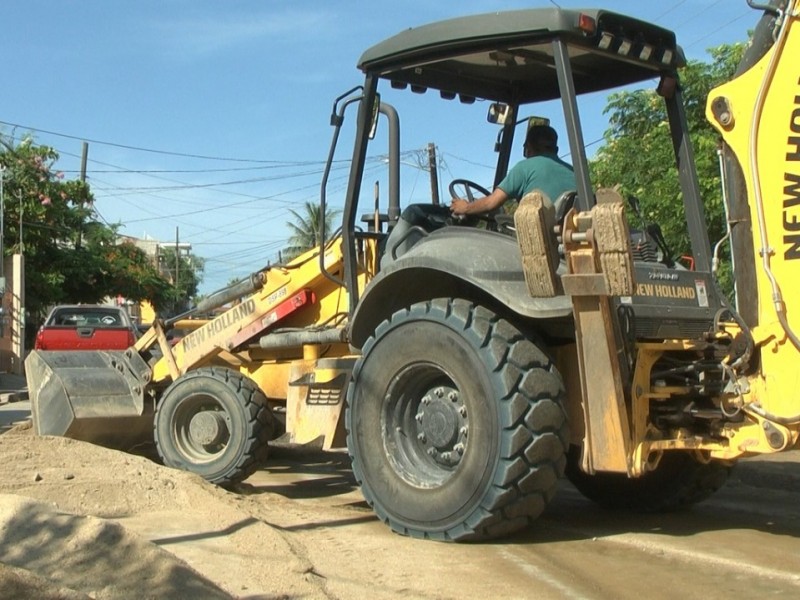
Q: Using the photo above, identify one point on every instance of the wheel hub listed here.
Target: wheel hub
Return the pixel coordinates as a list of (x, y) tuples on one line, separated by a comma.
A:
[(442, 425), (207, 428)]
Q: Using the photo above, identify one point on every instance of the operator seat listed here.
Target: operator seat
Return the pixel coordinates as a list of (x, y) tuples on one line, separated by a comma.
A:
[(563, 204), (416, 222)]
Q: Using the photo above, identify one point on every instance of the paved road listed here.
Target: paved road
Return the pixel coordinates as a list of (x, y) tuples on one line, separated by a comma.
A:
[(744, 542)]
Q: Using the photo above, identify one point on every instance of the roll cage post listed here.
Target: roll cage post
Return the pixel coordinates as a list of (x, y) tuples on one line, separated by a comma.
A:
[(569, 103), (363, 127), (687, 177), (684, 155)]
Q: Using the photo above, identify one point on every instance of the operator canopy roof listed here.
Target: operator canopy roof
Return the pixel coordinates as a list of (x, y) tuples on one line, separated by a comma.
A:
[(508, 56)]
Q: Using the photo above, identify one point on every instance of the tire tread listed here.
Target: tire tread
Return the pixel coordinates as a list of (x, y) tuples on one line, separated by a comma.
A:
[(259, 427), (533, 421)]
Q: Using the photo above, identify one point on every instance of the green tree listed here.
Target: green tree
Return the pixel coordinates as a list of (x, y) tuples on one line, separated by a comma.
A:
[(637, 154), (69, 255), (306, 229), (190, 270)]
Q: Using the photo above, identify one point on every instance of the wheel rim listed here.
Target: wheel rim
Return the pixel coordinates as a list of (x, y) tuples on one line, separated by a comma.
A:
[(425, 424), (201, 428)]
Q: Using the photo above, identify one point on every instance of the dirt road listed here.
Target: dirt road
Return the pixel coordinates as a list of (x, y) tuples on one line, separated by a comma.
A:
[(80, 521)]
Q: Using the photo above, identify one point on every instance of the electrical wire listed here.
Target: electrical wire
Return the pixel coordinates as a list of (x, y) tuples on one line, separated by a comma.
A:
[(716, 30), (669, 10), (139, 148)]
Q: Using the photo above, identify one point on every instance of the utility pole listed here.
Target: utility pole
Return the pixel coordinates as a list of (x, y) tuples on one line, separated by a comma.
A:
[(84, 158), (21, 245), (432, 167), (18, 298), (177, 263)]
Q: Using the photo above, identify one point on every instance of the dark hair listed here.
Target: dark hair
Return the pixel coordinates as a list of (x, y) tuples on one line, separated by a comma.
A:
[(542, 135)]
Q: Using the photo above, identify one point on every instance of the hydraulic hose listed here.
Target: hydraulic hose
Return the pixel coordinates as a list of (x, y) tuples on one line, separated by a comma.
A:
[(291, 339), (244, 288), (774, 418)]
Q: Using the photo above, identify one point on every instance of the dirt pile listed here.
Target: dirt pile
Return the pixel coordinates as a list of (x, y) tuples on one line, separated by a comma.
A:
[(81, 521), (72, 515)]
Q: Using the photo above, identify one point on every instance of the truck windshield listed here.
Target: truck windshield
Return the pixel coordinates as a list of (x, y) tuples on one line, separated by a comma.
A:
[(86, 317)]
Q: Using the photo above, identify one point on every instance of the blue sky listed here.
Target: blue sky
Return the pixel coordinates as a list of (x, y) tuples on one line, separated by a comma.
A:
[(212, 117)]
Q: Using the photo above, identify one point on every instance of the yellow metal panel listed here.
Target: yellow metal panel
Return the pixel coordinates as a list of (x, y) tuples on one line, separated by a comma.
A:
[(315, 402), (774, 131)]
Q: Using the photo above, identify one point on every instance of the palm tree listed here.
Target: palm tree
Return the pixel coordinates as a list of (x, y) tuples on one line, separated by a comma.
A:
[(306, 229)]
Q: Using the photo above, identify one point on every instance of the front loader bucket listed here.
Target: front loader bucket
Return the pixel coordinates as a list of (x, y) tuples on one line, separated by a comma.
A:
[(95, 396)]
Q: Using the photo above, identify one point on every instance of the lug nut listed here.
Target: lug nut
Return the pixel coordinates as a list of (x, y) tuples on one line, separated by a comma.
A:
[(452, 396), (463, 411), (419, 417), (463, 431), (439, 392), (426, 399), (459, 448), (431, 451), (421, 437)]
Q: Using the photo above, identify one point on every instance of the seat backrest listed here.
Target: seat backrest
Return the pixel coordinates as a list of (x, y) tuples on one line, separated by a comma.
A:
[(564, 204)]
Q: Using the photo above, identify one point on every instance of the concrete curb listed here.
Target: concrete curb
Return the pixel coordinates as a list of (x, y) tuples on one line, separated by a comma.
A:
[(13, 388), (16, 396)]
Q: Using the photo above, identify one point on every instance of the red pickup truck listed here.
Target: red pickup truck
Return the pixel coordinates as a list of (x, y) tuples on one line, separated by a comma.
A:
[(86, 327)]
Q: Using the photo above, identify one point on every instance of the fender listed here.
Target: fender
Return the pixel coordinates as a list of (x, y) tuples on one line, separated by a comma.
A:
[(452, 262)]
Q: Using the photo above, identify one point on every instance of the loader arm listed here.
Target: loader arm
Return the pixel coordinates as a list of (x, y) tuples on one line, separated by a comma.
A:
[(758, 116), (284, 293), (87, 395)]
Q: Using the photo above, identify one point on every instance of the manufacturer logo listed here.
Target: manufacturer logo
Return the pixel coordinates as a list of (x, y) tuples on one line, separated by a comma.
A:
[(791, 189)]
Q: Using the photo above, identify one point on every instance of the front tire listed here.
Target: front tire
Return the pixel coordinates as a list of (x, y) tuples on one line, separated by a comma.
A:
[(455, 424), (214, 422)]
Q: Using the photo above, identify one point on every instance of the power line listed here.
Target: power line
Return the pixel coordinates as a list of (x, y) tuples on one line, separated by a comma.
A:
[(139, 148), (716, 29), (697, 14), (669, 10), (184, 171), (249, 201)]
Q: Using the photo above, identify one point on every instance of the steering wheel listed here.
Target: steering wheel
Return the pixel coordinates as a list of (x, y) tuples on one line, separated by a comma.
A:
[(469, 186)]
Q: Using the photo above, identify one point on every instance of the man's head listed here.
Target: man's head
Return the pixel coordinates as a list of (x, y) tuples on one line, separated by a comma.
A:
[(541, 139)]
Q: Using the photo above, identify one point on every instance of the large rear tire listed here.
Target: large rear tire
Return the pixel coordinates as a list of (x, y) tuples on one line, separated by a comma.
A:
[(214, 422), (679, 481), (455, 424)]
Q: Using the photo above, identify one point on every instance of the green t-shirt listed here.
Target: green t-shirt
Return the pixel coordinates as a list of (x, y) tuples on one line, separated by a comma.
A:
[(547, 173)]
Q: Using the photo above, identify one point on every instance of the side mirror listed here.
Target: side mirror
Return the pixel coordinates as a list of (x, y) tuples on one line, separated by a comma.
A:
[(498, 113), (376, 107)]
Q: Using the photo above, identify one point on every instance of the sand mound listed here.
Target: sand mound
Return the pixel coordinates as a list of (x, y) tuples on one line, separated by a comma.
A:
[(78, 520), (49, 553)]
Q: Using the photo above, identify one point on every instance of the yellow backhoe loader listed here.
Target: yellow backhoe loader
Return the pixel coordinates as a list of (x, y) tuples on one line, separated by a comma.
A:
[(468, 364)]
